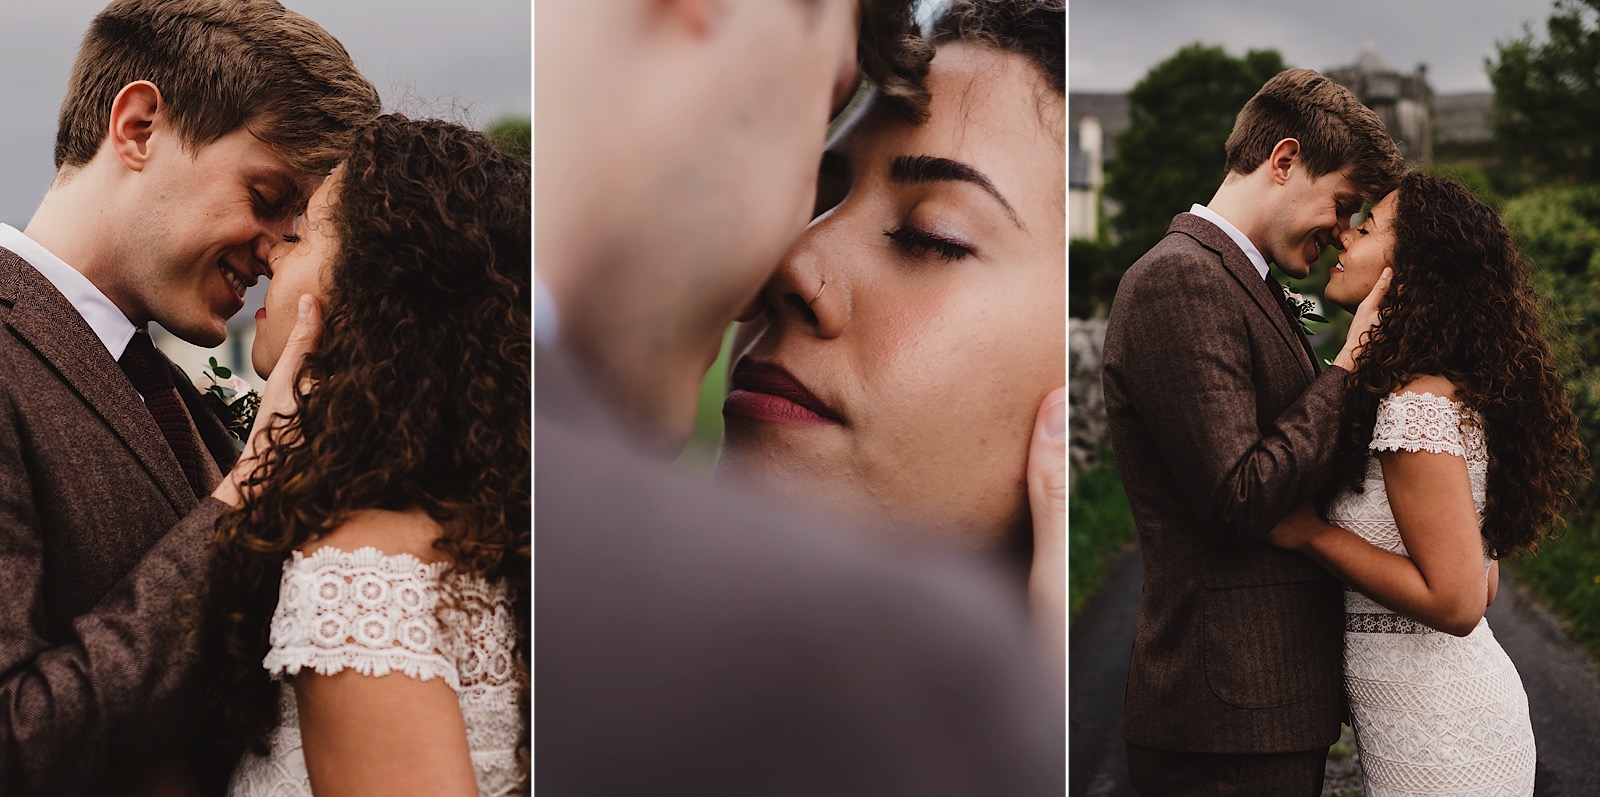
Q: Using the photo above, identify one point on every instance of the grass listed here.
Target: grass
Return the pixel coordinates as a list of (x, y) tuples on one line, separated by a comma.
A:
[(1565, 576), (1099, 526)]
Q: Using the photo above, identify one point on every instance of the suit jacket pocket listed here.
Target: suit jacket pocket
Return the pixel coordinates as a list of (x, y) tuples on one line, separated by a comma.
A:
[(1271, 645), (1260, 565)]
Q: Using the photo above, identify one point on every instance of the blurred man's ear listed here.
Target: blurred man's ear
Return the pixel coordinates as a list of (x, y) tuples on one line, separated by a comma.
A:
[(698, 17)]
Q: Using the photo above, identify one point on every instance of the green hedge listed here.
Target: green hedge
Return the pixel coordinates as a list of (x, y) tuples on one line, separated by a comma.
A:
[(1565, 576), (1099, 526)]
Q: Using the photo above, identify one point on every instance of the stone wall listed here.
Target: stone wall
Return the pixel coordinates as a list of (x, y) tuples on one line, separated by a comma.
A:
[(1087, 433)]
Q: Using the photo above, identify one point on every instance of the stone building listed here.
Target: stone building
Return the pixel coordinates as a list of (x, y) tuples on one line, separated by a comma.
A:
[(1094, 120), (1404, 101)]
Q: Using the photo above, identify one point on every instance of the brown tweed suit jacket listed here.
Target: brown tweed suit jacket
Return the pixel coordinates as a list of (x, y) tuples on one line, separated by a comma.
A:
[(695, 641), (1220, 425), (97, 675)]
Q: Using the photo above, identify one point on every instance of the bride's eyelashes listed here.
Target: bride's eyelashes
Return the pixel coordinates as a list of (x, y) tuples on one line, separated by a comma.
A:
[(291, 238), (920, 243)]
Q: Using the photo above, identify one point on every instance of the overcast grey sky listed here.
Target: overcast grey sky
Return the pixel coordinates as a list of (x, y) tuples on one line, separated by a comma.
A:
[(1112, 43), (465, 60)]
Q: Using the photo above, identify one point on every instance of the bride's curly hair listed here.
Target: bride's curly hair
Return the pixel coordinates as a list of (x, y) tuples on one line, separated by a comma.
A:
[(1461, 306), (421, 390)]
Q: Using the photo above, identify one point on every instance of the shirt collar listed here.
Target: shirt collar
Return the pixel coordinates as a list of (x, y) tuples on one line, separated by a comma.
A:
[(1249, 249), (103, 316)]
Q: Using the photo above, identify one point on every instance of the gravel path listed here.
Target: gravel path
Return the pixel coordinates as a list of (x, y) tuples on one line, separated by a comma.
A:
[(1562, 683)]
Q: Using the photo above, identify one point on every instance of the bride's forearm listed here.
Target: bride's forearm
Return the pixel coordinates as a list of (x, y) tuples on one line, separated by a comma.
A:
[(1392, 580)]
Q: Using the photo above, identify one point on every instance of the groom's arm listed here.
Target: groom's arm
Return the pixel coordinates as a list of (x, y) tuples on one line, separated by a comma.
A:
[(1188, 366), (123, 687)]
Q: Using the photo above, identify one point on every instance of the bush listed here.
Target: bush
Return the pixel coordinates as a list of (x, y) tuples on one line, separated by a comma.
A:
[(1559, 231), (1565, 575), (1099, 526)]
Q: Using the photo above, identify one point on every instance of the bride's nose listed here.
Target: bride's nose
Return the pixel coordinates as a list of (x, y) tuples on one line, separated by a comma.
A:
[(810, 288)]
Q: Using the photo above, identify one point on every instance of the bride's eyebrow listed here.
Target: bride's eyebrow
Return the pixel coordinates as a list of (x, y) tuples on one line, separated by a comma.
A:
[(913, 169)]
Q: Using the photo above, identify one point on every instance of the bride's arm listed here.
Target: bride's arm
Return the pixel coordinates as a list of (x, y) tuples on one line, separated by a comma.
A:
[(1441, 585), (391, 734)]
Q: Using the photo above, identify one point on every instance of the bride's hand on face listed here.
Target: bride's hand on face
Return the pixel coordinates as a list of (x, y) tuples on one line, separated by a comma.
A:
[(1365, 321), (1047, 502), (277, 399)]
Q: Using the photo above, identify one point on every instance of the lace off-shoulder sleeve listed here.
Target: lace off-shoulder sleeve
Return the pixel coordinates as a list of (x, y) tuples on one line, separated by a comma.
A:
[(1419, 422), (364, 611)]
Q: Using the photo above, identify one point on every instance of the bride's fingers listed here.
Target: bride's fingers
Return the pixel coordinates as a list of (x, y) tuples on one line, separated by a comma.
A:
[(278, 398), (1047, 501), (1047, 469)]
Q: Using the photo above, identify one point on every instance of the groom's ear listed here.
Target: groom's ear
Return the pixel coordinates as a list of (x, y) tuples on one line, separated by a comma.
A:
[(1285, 156), (134, 116), (696, 17)]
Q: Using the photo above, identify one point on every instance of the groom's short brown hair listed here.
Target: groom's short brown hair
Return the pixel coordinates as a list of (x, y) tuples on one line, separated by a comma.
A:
[(1334, 129), (220, 65)]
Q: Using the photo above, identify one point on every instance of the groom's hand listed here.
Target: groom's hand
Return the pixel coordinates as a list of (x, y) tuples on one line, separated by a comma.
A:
[(1364, 323), (278, 399)]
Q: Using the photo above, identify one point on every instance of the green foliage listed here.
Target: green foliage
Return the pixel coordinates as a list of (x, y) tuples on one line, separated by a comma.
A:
[(514, 136), (1474, 178), (700, 453), (1093, 269), (1099, 526), (1565, 575), (1547, 99), (1558, 229), (1172, 153)]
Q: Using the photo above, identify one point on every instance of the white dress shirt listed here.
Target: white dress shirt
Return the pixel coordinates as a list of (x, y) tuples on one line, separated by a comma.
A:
[(103, 316), (1239, 238)]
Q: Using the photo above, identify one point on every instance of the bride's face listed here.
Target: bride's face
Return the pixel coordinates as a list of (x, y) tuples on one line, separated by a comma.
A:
[(1368, 249), (906, 342), (299, 266)]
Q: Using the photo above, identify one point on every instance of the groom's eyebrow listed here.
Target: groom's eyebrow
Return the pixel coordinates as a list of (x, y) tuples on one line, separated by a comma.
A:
[(913, 169)]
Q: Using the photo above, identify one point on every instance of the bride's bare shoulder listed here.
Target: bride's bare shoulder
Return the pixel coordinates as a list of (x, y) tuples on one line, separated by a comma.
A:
[(405, 532), (1430, 384)]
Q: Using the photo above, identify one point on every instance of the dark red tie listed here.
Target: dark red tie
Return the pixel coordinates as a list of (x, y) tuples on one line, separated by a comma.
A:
[(151, 376)]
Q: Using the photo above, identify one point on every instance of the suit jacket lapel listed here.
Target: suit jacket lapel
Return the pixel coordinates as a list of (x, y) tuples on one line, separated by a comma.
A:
[(213, 434), (1244, 272), (44, 318)]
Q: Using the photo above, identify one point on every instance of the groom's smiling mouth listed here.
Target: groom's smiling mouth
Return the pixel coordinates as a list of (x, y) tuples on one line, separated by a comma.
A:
[(237, 281)]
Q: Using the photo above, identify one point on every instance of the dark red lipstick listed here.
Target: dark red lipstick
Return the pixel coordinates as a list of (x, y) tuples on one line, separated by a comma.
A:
[(765, 392)]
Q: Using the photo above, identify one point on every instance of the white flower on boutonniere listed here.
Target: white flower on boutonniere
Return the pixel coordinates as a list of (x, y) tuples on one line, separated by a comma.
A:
[(230, 398), (1302, 308)]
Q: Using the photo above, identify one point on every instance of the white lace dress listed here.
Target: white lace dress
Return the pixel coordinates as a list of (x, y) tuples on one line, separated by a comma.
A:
[(1434, 714), (375, 614)]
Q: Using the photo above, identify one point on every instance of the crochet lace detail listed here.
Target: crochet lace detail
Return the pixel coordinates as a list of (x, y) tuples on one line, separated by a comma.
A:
[(1433, 713), (378, 614)]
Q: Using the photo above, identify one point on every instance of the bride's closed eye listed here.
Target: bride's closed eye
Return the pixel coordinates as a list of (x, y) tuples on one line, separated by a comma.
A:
[(919, 243)]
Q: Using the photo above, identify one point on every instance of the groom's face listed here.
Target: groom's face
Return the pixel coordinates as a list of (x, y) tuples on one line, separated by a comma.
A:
[(1311, 214), (204, 217)]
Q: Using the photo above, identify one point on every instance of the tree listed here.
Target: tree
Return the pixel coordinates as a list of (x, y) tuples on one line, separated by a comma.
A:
[(513, 135), (1547, 98), (1558, 229), (1171, 155)]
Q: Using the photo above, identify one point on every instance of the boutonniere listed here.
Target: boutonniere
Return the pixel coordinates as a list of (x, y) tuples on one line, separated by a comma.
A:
[(230, 398), (1302, 308)]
